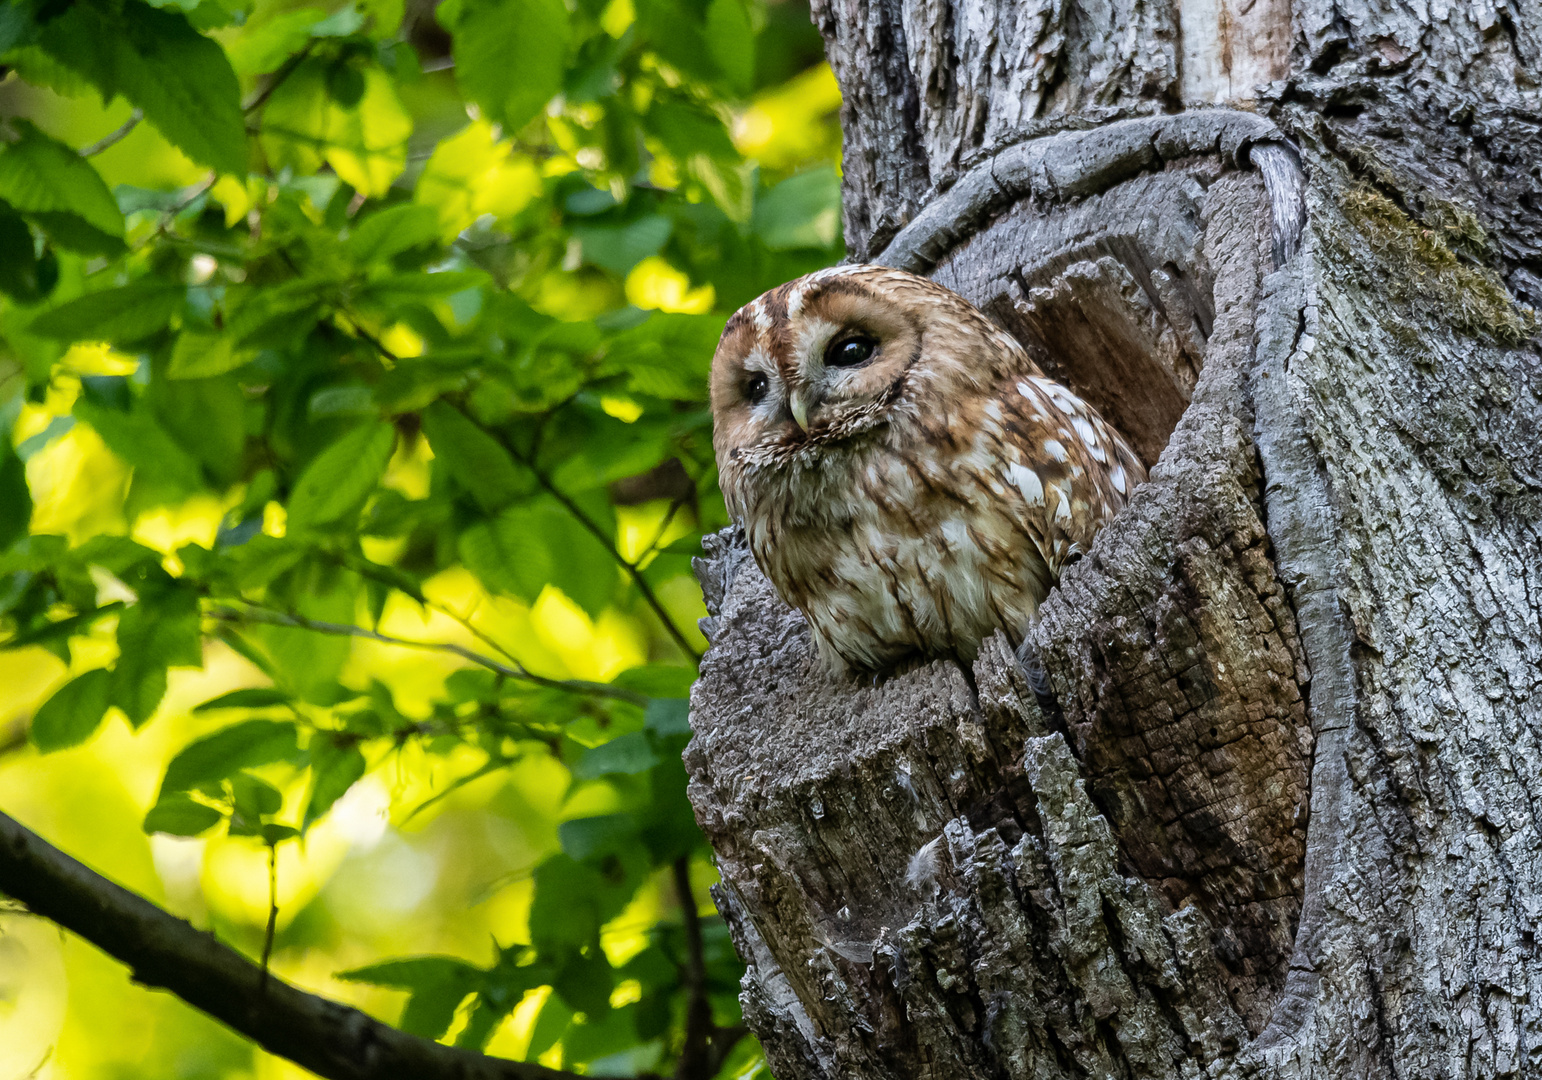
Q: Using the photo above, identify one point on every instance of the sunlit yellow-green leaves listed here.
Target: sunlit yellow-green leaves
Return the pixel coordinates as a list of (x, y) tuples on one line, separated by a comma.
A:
[(473, 173), (353, 461), (341, 112)]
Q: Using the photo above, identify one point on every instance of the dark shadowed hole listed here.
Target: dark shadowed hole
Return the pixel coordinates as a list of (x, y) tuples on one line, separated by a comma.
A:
[(1126, 337)]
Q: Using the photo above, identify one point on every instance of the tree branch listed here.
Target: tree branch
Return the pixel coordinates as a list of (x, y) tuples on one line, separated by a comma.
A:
[(300, 622), (330, 1039)]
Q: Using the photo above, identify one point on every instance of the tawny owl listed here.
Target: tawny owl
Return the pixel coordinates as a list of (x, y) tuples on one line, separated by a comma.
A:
[(906, 475)]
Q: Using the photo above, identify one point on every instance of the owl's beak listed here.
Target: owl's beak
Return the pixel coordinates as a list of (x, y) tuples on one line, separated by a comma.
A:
[(798, 402)]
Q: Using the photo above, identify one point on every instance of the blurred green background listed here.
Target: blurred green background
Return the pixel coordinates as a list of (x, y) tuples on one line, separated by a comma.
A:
[(388, 319)]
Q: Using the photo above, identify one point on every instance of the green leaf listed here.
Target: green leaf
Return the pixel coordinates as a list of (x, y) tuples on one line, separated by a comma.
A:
[(73, 714), (16, 26), (628, 754), (404, 288), (226, 752), (507, 556), (365, 143), (160, 631), (473, 457), (438, 984), (257, 697), (392, 231), (688, 130), (618, 248), (802, 211), (585, 982), (200, 354), (125, 314), (657, 680), (676, 32), (534, 544), (668, 717), (139, 440), (264, 47), (569, 905), (339, 479), (555, 1019), (43, 177), (15, 496), (153, 56), (669, 356), (177, 814), (25, 274), (253, 800), (593, 837), (60, 629), (334, 769), (510, 56), (731, 40)]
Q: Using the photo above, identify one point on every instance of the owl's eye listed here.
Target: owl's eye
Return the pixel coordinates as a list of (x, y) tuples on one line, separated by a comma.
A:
[(849, 352), (755, 388)]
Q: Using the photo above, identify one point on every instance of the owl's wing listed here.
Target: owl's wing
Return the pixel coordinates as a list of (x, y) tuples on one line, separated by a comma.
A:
[(1073, 471)]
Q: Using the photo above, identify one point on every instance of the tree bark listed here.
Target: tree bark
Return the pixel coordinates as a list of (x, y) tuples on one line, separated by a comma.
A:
[(1262, 799)]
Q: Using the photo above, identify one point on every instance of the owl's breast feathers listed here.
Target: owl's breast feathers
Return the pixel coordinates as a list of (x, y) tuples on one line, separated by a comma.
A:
[(906, 475), (943, 526)]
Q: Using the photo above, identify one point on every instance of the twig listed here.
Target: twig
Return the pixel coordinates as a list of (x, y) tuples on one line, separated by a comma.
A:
[(695, 1055), (300, 622), (669, 516), (278, 78), (267, 937), (113, 138), (358, 328), (169, 216), (649, 596), (329, 1039)]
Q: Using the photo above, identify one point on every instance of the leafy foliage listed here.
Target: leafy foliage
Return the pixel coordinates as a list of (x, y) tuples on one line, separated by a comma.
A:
[(410, 331)]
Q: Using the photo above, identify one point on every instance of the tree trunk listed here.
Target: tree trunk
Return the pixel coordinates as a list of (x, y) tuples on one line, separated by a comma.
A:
[(1263, 800)]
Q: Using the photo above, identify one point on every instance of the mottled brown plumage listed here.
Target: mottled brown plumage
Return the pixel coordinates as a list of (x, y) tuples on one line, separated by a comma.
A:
[(906, 475)]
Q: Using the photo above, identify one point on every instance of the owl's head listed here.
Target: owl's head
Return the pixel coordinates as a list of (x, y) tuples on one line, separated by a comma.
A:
[(827, 359)]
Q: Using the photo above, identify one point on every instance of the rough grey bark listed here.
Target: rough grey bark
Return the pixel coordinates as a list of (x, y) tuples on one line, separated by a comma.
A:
[(1261, 798)]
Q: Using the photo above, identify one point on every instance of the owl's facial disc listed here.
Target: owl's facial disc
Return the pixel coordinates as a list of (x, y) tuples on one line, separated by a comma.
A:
[(849, 354)]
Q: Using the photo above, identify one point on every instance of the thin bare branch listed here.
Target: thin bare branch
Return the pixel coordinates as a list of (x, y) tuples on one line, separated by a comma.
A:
[(300, 622), (706, 1045)]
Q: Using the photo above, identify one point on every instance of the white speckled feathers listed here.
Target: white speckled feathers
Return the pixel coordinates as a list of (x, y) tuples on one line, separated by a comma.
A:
[(906, 476)]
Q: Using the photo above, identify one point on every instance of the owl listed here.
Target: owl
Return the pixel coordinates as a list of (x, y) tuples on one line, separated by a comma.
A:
[(905, 475)]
